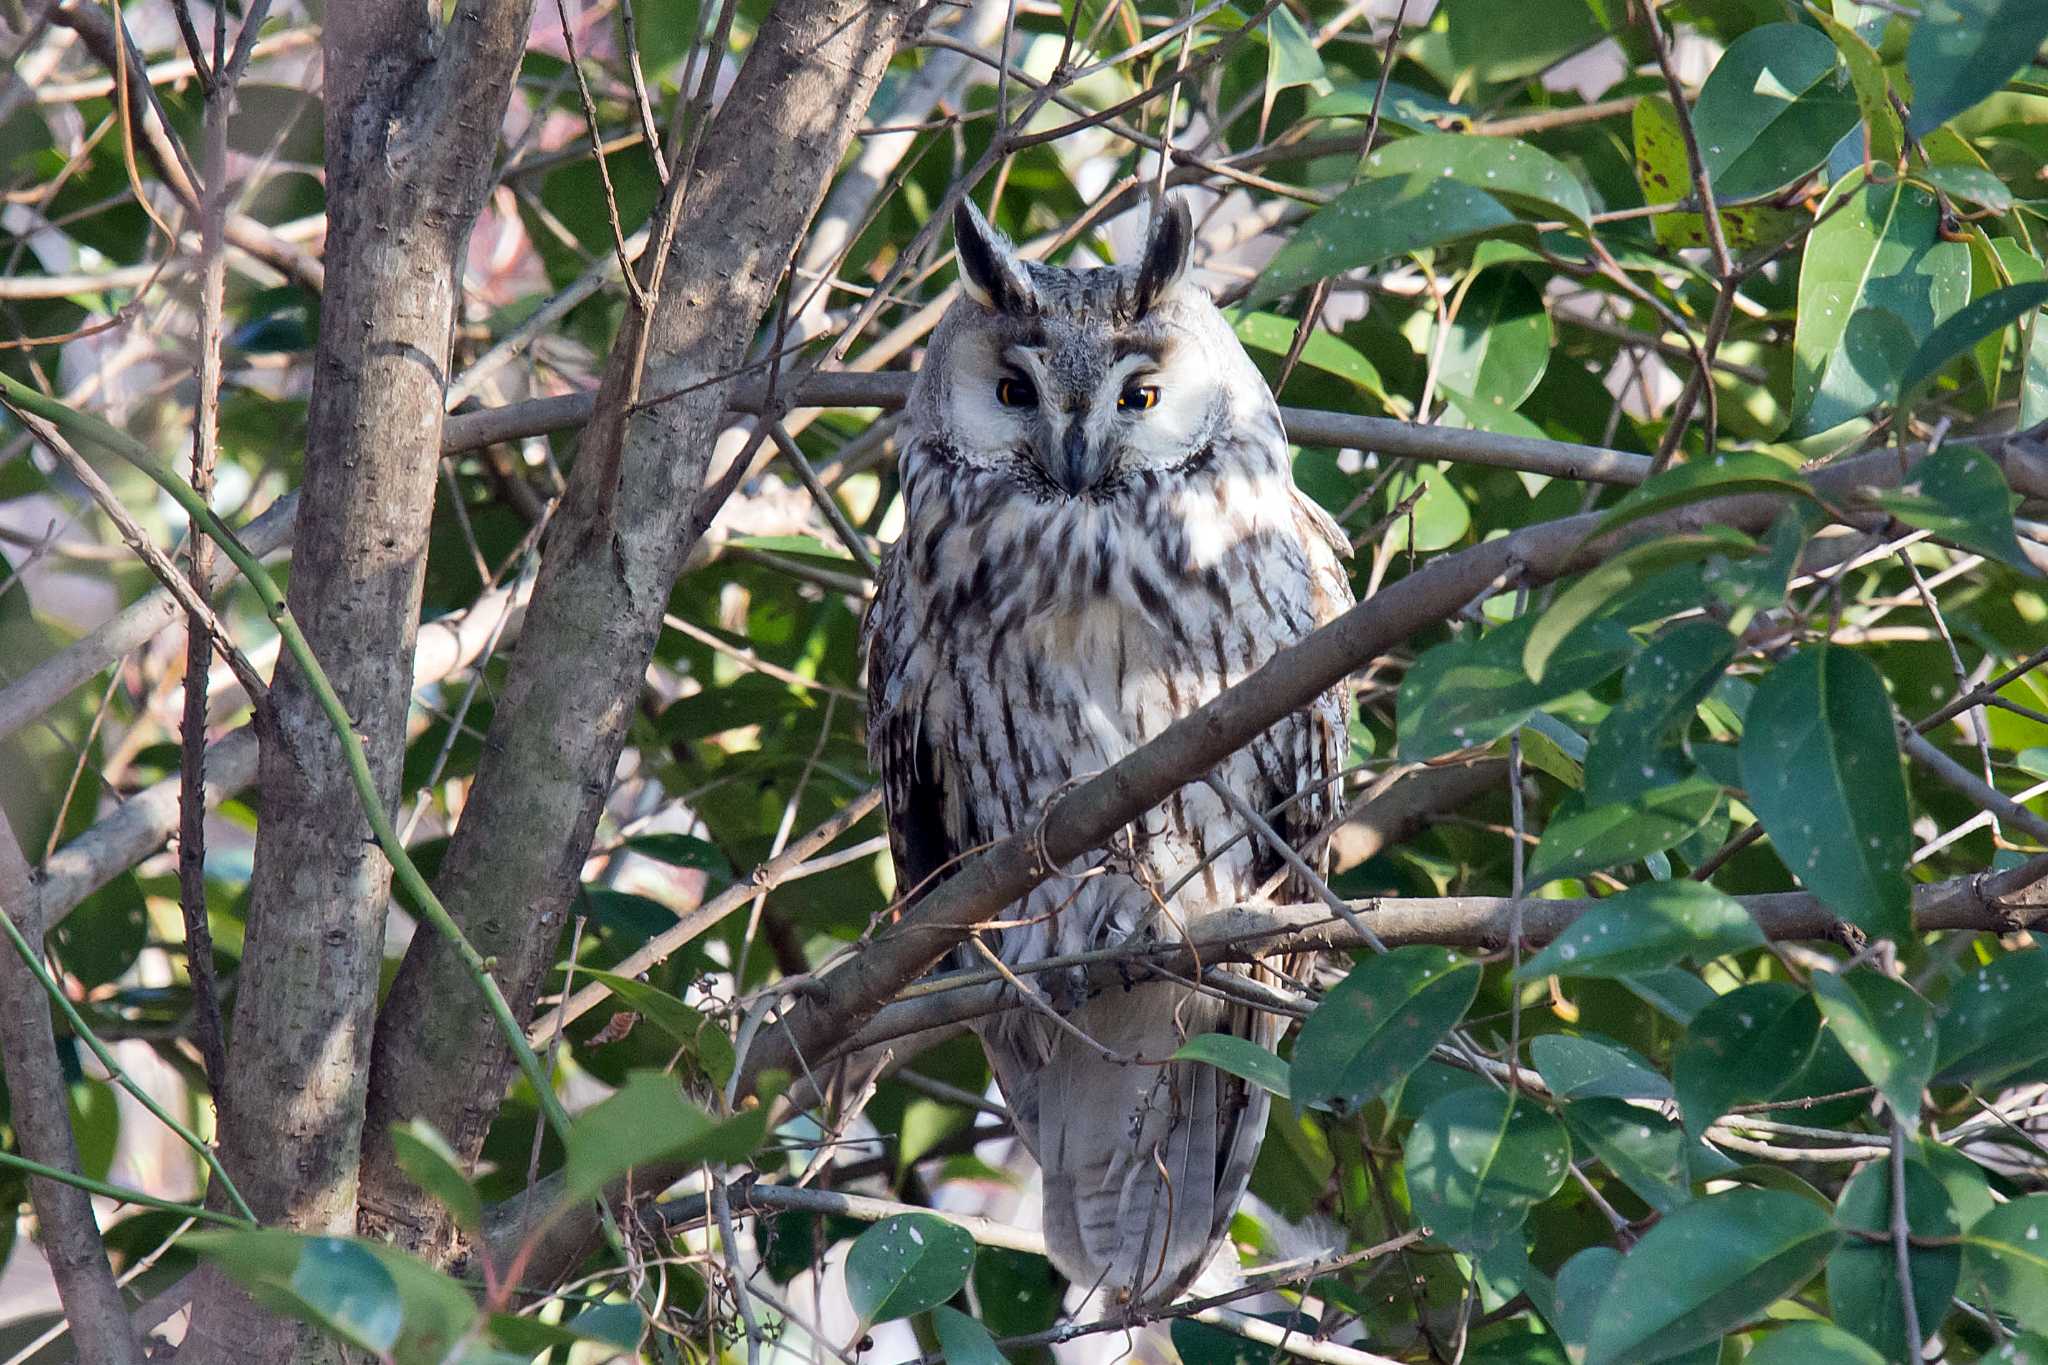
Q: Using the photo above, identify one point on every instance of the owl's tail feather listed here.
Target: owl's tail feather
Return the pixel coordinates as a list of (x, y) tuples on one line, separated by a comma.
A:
[(1144, 1163)]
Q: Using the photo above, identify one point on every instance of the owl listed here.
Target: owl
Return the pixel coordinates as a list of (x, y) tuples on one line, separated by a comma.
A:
[(1101, 533)]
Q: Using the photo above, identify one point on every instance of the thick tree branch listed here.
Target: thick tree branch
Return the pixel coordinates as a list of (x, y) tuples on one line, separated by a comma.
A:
[(40, 1114), (412, 112), (1088, 815), (624, 530)]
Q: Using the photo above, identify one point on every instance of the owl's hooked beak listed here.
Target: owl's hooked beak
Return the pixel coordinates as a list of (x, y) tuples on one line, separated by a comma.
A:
[(1081, 463)]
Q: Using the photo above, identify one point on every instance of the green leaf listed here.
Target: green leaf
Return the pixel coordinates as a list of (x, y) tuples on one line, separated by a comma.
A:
[(1820, 762), (1771, 110), (1291, 56), (1996, 1022), (2007, 1251), (1963, 50), (1646, 927), (1636, 747), (962, 1340), (1665, 175), (1594, 590), (1644, 1150), (1728, 473), (425, 1155), (1884, 133), (371, 1295), (682, 850), (1437, 518), (1811, 1343), (1469, 692), (1863, 1276), (1744, 1047), (1325, 351), (1980, 318), (905, 1265), (1707, 1268), (1403, 105), (1876, 280), (1971, 184), (1505, 40), (1886, 1029), (1583, 838), (1515, 172), (1378, 1024), (808, 546), (1959, 495), (648, 1119), (1476, 1162), (1376, 219), (1240, 1057), (1499, 344), (1580, 1068), (703, 1037)]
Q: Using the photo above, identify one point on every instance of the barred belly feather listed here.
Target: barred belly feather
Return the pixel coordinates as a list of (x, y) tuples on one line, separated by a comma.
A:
[(1023, 638)]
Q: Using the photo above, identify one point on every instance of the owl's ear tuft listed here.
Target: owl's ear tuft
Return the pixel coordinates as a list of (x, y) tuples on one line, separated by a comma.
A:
[(1166, 255), (989, 269)]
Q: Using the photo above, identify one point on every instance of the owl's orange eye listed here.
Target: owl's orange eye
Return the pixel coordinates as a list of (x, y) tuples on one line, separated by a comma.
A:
[(1015, 393), (1139, 397)]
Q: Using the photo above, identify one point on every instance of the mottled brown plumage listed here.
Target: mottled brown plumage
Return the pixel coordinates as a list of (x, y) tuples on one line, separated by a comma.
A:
[(1101, 533)]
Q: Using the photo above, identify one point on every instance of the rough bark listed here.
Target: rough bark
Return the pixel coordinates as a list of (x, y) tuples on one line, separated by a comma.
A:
[(413, 110), (41, 1119), (621, 536)]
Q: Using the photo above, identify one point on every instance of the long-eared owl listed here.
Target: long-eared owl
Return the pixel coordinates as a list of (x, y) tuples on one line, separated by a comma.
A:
[(1101, 533)]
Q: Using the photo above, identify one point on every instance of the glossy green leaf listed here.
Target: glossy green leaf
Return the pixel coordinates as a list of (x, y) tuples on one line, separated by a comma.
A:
[(1498, 344), (1811, 1343), (1583, 838), (1962, 51), (907, 1264), (1876, 279), (426, 1156), (1665, 175), (1505, 40), (1470, 692), (1707, 1268), (1581, 1283), (1655, 924), (962, 1340), (1884, 132), (1771, 109), (1291, 56), (1636, 748), (702, 1036), (648, 1119), (1324, 351), (1996, 1020), (1594, 590), (1982, 316), (1404, 106), (369, 1294), (1886, 1029), (1375, 219), (1728, 473), (1744, 1047), (1477, 1160), (1970, 185), (1238, 1056), (1863, 1276), (1577, 1068), (1958, 494), (1512, 171), (1644, 1150), (1820, 761), (1378, 1024), (2006, 1251), (1437, 517)]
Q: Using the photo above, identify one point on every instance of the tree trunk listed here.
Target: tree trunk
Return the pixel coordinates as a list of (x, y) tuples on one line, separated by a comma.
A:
[(621, 536), (413, 111)]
